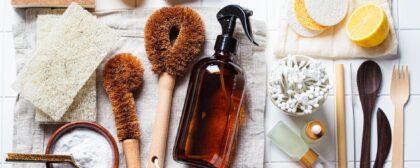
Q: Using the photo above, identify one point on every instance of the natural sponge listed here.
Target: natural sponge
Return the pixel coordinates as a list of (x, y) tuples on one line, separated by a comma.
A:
[(123, 74), (296, 25), (304, 17), (327, 12), (165, 56)]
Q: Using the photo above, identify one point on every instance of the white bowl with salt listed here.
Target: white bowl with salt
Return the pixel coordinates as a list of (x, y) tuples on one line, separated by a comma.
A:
[(298, 85)]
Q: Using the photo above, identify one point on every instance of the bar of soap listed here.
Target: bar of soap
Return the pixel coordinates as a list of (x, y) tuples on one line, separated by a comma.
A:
[(52, 3), (65, 61), (83, 107)]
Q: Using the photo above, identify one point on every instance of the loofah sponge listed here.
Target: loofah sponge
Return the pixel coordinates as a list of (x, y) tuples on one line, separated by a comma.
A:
[(84, 104), (63, 64), (123, 74), (175, 58)]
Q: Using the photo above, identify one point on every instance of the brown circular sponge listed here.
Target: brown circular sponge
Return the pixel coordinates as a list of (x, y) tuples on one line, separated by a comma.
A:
[(173, 58)]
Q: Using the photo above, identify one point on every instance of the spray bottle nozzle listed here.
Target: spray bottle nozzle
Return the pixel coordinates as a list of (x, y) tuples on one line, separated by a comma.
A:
[(227, 18)]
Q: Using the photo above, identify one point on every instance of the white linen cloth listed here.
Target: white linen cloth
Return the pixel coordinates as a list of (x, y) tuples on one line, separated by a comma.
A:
[(32, 137), (333, 43)]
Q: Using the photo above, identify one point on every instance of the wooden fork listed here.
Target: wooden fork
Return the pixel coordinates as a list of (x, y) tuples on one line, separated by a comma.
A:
[(400, 91)]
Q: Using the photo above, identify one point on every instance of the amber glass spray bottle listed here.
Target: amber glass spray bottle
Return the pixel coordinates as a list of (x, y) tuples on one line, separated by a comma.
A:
[(210, 119)]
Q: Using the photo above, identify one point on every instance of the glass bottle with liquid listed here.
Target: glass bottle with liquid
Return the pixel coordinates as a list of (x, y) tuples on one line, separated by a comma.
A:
[(293, 145), (210, 119)]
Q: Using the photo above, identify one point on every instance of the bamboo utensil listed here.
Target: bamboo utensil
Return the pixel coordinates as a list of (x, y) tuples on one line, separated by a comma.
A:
[(384, 139), (400, 91), (43, 158), (123, 74), (341, 116), (369, 79)]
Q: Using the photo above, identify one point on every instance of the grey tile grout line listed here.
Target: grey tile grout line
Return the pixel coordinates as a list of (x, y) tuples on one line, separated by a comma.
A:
[(412, 29), (398, 32), (1, 128), (2, 99), (357, 161)]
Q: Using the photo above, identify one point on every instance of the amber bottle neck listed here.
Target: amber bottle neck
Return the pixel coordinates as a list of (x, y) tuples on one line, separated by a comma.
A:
[(223, 55)]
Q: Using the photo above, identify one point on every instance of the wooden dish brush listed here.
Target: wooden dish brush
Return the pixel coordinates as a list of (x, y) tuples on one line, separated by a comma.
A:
[(170, 59), (123, 74)]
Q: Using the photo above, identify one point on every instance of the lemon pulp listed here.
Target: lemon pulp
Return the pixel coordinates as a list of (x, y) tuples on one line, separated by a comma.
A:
[(368, 25)]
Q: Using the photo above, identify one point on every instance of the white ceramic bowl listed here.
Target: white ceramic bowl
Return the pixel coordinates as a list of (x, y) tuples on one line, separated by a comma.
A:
[(302, 99)]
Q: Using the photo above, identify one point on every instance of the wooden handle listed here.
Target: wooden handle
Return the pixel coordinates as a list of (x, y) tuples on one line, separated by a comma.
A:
[(132, 153), (366, 140), (161, 125), (398, 138), (41, 158), (341, 116)]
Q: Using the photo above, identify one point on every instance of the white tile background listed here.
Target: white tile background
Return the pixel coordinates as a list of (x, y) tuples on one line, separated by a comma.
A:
[(405, 13)]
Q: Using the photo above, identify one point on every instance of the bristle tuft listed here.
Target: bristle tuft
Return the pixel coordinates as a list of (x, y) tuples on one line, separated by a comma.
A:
[(123, 74), (165, 57)]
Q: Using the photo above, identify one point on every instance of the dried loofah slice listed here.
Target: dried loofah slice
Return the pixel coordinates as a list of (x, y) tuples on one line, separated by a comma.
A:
[(304, 18), (62, 65), (175, 58), (296, 25), (123, 74), (84, 104)]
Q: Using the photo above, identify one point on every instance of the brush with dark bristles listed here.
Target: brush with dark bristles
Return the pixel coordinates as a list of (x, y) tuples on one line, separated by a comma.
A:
[(170, 60), (123, 74)]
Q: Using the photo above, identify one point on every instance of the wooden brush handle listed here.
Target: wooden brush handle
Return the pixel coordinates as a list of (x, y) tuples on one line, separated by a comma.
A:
[(132, 153), (161, 125), (49, 158), (398, 138), (341, 116)]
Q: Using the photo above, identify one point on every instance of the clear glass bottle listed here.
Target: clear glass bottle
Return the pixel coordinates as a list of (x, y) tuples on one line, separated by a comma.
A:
[(210, 119), (290, 143)]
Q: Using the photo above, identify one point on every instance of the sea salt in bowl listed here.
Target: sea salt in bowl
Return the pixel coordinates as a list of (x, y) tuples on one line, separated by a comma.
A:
[(90, 144), (298, 85)]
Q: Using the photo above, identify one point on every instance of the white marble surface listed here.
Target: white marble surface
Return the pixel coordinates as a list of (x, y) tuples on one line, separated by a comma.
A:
[(406, 15)]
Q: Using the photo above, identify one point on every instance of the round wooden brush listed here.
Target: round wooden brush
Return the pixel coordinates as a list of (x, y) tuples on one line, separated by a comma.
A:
[(123, 74), (170, 60)]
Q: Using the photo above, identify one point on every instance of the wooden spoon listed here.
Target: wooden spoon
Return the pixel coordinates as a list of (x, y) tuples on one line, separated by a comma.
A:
[(369, 79)]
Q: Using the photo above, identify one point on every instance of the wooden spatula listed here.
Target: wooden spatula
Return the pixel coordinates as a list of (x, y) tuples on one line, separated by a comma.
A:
[(384, 139)]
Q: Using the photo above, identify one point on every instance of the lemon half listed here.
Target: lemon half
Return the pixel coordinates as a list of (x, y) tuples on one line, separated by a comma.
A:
[(368, 25)]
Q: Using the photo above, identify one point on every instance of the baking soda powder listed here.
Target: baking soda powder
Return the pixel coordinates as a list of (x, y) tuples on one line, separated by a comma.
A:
[(89, 148)]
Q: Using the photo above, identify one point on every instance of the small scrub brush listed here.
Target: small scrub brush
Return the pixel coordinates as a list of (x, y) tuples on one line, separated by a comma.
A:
[(123, 74)]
